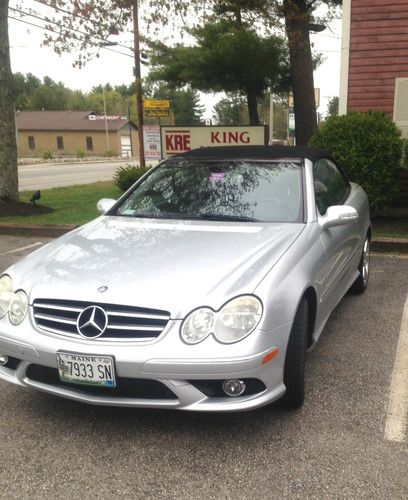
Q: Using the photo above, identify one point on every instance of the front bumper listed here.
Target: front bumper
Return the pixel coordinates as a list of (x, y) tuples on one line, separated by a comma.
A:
[(168, 362)]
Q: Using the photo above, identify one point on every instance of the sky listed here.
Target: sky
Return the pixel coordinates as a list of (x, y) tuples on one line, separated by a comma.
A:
[(29, 56)]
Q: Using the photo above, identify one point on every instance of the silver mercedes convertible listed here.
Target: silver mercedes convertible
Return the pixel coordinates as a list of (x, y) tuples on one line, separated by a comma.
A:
[(201, 288)]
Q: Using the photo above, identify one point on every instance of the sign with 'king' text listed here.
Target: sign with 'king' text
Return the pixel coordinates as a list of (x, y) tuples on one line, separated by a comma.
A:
[(176, 140)]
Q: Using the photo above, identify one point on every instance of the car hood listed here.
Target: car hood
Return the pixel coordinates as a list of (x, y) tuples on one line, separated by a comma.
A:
[(169, 265)]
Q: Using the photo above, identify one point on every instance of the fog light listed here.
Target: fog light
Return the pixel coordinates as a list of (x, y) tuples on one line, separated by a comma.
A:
[(3, 359), (234, 387)]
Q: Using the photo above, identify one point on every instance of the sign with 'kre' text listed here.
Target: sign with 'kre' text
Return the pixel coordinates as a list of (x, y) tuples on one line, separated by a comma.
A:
[(176, 140)]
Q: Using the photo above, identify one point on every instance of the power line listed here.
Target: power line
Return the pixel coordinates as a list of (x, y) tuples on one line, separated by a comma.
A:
[(25, 13), (54, 31)]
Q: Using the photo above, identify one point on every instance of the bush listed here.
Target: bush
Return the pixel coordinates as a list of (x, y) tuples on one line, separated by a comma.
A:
[(80, 154), (110, 153), (404, 161), (127, 175), (369, 147), (47, 155)]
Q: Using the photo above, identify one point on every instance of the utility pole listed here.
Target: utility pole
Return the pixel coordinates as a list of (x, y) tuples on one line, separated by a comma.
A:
[(138, 82), (270, 119), (106, 120)]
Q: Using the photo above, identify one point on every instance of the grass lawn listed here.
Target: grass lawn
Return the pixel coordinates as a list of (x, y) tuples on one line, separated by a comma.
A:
[(390, 227), (71, 205)]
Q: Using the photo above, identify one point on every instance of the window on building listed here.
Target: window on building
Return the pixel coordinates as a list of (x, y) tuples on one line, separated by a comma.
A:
[(89, 144), (330, 186), (31, 142), (60, 142)]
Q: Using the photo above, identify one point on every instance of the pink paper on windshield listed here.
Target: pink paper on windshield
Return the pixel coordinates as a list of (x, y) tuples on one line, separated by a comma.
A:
[(217, 176)]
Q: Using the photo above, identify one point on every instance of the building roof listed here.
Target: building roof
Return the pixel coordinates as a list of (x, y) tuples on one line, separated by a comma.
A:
[(65, 120), (256, 153)]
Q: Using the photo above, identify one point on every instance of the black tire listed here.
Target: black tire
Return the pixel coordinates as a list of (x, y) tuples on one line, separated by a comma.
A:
[(361, 283), (294, 373)]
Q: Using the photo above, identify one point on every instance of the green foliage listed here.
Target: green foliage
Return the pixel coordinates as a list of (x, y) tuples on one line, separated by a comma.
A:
[(231, 111), (185, 102), (32, 94), (225, 58), (47, 155), (333, 106), (110, 153), (80, 154), (369, 147), (126, 176), (404, 159)]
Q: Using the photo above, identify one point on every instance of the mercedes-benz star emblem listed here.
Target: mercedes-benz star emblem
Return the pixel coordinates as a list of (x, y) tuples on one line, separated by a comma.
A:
[(92, 322)]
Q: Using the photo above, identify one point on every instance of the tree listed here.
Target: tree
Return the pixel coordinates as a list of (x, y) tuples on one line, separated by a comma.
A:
[(298, 18), (24, 87), (231, 111), (185, 102), (8, 146), (333, 106), (227, 58), (299, 22)]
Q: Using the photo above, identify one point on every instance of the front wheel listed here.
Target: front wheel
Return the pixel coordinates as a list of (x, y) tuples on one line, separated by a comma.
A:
[(360, 285), (294, 373)]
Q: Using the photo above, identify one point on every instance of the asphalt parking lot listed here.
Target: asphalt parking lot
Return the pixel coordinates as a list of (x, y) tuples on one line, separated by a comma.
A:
[(341, 444)]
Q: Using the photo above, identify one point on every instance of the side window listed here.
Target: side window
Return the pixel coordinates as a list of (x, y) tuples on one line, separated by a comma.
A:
[(330, 186)]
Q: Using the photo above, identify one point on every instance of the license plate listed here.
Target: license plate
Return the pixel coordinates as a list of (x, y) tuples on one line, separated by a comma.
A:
[(86, 370)]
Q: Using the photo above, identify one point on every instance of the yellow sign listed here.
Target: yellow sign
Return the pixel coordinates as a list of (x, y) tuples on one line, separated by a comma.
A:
[(317, 98), (156, 104), (156, 113)]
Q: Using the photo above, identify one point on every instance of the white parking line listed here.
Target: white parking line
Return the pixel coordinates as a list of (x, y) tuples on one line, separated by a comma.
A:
[(395, 426), (33, 245)]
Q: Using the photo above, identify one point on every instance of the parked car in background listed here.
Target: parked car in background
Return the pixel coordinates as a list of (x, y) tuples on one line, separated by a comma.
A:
[(201, 288)]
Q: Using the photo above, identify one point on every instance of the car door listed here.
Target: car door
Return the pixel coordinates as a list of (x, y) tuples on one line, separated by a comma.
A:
[(340, 242)]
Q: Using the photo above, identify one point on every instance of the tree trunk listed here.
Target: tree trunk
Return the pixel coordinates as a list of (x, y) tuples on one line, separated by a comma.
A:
[(297, 21), (8, 145), (252, 107)]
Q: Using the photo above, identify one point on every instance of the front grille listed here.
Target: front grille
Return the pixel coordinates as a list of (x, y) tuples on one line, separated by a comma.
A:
[(125, 387), (124, 322)]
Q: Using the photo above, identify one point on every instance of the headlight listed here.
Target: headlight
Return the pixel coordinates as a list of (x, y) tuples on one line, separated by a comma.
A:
[(18, 307), (6, 292), (197, 326), (237, 319)]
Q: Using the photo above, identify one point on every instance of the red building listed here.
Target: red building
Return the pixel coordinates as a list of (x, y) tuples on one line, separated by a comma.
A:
[(374, 73)]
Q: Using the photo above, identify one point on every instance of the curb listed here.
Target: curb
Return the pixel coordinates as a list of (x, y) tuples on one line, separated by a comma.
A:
[(53, 231), (389, 245)]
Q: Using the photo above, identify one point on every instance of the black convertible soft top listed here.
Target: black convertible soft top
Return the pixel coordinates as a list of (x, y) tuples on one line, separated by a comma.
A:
[(256, 153)]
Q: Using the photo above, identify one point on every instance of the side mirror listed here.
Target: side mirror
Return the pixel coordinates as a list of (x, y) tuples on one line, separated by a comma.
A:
[(104, 205), (338, 215)]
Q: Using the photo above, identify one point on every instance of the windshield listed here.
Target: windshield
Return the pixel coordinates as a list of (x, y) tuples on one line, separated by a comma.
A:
[(219, 190)]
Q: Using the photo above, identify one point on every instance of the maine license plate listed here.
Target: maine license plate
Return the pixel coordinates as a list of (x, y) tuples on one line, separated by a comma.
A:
[(86, 370)]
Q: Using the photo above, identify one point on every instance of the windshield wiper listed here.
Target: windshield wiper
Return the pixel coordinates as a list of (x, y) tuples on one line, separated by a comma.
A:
[(196, 216), (166, 215), (235, 218)]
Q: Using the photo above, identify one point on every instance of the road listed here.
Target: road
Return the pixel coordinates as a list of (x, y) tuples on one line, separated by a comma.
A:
[(335, 447), (49, 175)]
